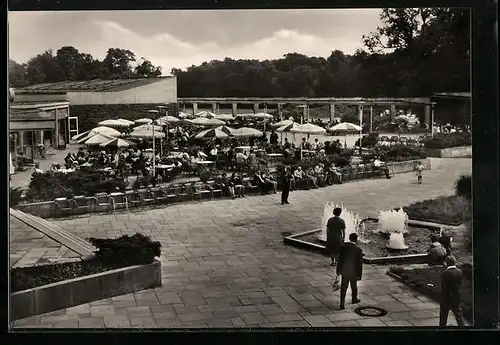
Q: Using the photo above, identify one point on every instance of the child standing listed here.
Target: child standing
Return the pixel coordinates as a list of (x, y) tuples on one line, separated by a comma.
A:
[(419, 168)]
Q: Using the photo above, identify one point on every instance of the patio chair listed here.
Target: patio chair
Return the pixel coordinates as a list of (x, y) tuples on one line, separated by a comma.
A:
[(101, 201), (148, 197), (181, 193), (214, 191), (160, 195), (134, 199), (63, 206), (119, 200), (82, 204), (201, 188)]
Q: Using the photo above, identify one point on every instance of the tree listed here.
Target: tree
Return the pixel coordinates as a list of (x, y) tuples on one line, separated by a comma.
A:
[(43, 68), (17, 74), (117, 64), (146, 69)]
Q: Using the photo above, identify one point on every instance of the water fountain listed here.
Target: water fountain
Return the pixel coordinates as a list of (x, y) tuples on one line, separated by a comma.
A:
[(351, 220), (394, 223)]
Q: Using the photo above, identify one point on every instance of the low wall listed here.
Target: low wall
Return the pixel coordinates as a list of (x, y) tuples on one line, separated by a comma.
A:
[(73, 292), (409, 166), (45, 209), (451, 152)]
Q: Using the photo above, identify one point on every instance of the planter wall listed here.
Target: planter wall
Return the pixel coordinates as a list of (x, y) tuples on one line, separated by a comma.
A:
[(69, 293), (409, 166), (452, 152)]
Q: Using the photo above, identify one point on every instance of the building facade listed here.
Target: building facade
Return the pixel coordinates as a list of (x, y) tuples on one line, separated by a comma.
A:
[(36, 122), (453, 108)]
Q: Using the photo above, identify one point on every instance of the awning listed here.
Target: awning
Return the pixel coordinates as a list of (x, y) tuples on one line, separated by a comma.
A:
[(31, 125)]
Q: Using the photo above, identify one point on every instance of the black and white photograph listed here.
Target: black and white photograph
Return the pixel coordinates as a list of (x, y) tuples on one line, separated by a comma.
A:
[(240, 169)]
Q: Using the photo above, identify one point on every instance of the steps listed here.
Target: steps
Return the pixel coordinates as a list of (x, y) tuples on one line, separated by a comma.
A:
[(51, 230)]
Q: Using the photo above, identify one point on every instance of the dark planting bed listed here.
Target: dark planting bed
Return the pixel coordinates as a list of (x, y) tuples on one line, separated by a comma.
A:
[(417, 240), (420, 278), (449, 210)]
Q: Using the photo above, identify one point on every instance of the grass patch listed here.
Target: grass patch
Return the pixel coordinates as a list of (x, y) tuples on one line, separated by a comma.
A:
[(449, 210), (419, 278)]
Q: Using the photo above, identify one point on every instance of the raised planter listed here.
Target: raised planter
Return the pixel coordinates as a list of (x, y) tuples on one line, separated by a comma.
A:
[(298, 241), (72, 292), (451, 152)]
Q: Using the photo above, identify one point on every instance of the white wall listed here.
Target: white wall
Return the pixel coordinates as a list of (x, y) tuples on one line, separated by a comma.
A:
[(163, 91)]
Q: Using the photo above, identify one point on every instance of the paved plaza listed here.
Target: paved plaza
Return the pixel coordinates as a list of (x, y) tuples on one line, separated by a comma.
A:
[(224, 263)]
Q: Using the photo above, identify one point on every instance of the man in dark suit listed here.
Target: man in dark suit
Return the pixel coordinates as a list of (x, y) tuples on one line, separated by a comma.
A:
[(350, 267), (285, 185), (451, 282)]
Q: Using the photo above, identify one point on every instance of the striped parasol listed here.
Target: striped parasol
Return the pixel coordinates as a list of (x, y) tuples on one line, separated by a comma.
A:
[(118, 143), (211, 133)]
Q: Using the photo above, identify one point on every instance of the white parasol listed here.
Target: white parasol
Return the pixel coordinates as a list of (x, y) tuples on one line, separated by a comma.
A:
[(143, 121), (211, 133), (146, 134), (203, 121), (97, 139), (113, 123), (148, 127), (247, 132), (308, 128)]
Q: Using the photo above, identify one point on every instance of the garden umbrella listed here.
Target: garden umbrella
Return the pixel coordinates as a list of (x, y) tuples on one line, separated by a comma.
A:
[(146, 134), (80, 136), (226, 129), (211, 133), (206, 114), (113, 123), (247, 132), (288, 127), (148, 128), (203, 121), (166, 120), (345, 127), (118, 143), (105, 130), (226, 117), (308, 128), (126, 121), (256, 116), (183, 115), (143, 121), (98, 139), (282, 123)]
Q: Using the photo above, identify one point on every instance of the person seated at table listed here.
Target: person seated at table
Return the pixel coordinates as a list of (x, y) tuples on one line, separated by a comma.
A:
[(213, 153), (336, 175), (68, 160), (252, 160), (319, 145), (240, 160), (272, 184), (81, 156), (224, 183), (273, 139), (200, 155), (286, 144), (319, 172), (299, 175), (55, 167), (261, 182), (237, 182), (436, 254), (311, 178), (378, 165)]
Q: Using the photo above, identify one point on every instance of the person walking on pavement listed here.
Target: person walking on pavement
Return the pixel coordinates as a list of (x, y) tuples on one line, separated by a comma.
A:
[(350, 268), (285, 185), (451, 282), (335, 234), (420, 168)]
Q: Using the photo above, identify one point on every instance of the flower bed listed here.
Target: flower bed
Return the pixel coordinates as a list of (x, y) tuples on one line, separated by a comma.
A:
[(112, 254), (420, 278), (443, 141), (449, 210)]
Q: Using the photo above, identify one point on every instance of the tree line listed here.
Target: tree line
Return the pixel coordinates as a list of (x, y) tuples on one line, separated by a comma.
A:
[(415, 52)]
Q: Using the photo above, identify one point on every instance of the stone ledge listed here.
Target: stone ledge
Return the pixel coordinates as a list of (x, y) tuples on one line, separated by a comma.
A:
[(451, 152), (295, 241), (73, 292)]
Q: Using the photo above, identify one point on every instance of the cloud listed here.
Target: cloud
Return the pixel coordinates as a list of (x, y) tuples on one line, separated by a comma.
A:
[(95, 34)]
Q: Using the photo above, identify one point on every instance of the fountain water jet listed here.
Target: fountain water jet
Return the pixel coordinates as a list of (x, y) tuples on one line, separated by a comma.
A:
[(393, 221), (351, 220)]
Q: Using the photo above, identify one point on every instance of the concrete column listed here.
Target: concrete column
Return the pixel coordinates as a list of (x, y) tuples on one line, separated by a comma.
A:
[(214, 108), (56, 141), (235, 109), (432, 120), (393, 111), (195, 108), (371, 118), (256, 108), (332, 112), (427, 115), (21, 140), (280, 111), (305, 112), (360, 114), (41, 137), (184, 107)]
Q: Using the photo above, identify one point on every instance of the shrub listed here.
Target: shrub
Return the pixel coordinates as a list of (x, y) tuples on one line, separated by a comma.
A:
[(442, 141), (134, 250), (368, 141), (48, 186), (401, 153), (463, 186), (451, 210), (15, 196)]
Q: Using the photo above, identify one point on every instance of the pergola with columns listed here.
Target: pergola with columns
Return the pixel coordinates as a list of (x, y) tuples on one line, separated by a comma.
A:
[(361, 102)]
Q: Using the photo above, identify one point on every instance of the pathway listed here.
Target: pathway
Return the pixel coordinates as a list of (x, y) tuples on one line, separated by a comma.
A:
[(224, 263)]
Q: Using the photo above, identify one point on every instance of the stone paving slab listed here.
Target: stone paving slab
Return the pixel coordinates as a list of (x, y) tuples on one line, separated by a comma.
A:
[(225, 265)]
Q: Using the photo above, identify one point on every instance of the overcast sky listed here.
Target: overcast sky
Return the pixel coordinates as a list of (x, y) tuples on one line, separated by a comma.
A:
[(183, 38)]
